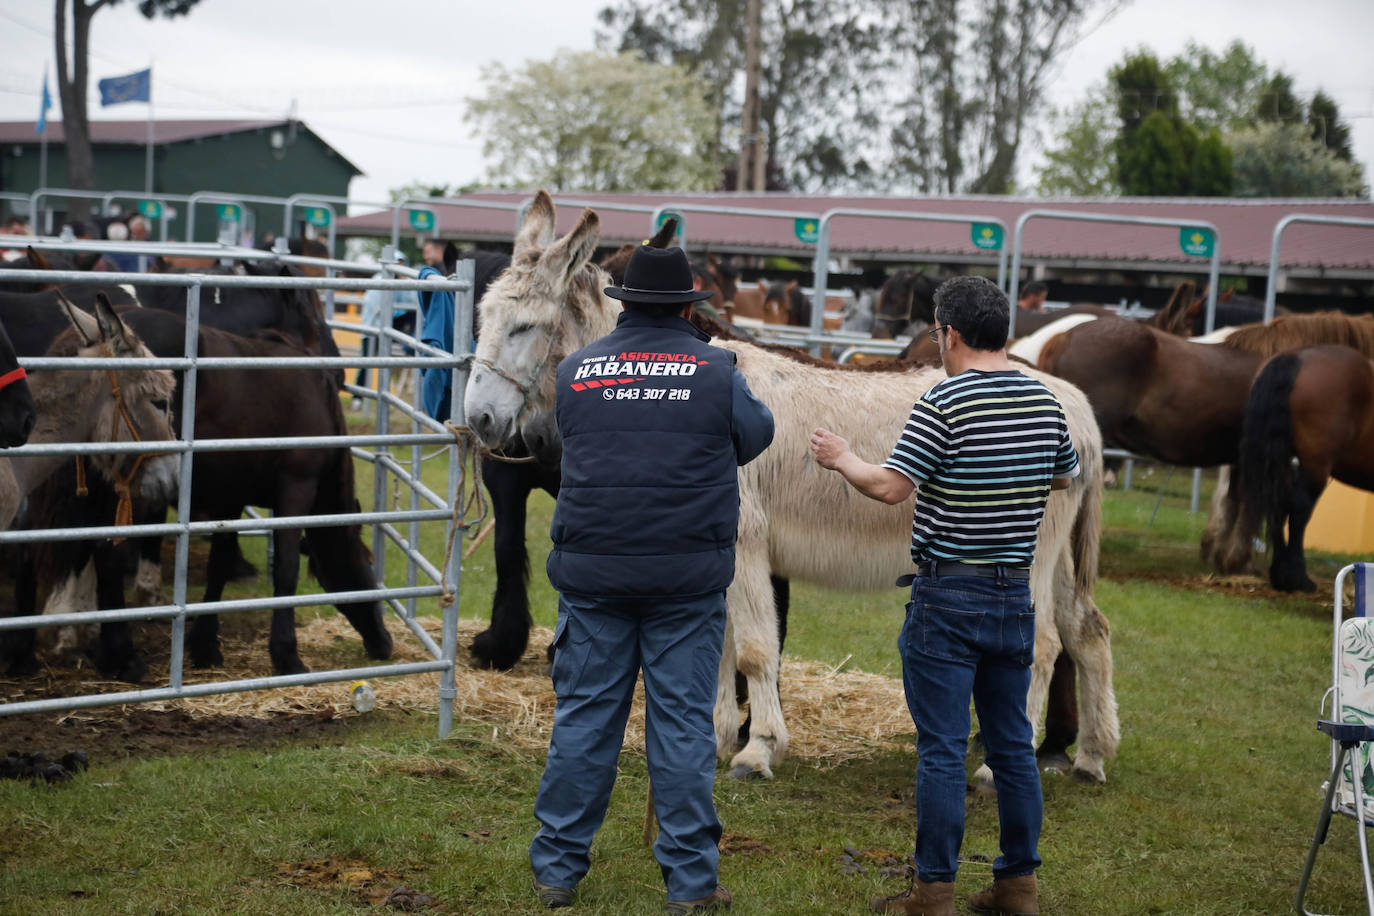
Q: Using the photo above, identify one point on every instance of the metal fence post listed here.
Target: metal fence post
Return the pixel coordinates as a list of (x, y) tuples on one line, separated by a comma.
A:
[(188, 434)]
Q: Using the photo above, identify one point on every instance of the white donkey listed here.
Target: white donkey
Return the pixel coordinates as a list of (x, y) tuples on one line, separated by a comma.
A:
[(795, 520)]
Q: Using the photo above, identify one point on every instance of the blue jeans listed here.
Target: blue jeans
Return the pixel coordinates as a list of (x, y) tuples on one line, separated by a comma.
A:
[(967, 636), (601, 647)]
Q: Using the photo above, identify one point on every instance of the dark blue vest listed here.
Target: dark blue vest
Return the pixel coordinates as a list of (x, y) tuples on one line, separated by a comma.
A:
[(649, 503)]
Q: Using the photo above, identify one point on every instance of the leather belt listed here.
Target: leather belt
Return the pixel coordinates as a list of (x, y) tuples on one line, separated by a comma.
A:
[(941, 568)]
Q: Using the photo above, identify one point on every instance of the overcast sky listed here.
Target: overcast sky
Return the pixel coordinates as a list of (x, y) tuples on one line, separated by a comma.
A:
[(385, 83)]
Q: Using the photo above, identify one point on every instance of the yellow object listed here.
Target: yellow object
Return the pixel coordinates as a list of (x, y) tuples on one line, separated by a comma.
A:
[(1343, 521)]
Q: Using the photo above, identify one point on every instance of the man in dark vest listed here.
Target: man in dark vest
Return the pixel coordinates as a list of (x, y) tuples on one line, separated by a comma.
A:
[(654, 423)]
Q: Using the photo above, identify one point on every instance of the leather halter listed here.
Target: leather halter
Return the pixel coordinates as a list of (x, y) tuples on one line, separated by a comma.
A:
[(124, 511)]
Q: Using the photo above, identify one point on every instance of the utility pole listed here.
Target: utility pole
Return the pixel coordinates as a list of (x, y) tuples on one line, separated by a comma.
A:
[(752, 160)]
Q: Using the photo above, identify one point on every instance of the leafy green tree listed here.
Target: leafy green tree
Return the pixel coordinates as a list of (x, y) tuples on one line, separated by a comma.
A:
[(1282, 160), (1278, 103), (1080, 164), (1327, 127), (1218, 90), (934, 96), (1158, 152), (596, 122), (73, 79)]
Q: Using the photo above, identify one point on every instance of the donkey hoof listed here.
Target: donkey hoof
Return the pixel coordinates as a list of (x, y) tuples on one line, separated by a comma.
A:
[(1089, 775), (292, 665), (213, 659), (379, 648), (1054, 764), (744, 771)]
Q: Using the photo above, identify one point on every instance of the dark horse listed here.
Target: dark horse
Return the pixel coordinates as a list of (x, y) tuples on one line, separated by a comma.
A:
[(234, 404), (17, 413), (1310, 417)]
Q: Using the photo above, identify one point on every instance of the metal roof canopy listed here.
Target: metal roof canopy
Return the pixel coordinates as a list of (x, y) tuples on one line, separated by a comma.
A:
[(1213, 274), (1271, 287), (822, 256)]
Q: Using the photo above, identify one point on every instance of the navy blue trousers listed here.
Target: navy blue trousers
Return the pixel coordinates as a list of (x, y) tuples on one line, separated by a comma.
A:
[(602, 646)]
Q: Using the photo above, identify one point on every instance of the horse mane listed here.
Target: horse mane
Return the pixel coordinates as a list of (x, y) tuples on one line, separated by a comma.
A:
[(1288, 332)]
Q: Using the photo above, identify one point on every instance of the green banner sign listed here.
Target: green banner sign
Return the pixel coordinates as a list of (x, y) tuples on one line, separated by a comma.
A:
[(421, 220), (317, 216), (229, 213), (987, 236), (1196, 241), (150, 208), (671, 214), (807, 230)]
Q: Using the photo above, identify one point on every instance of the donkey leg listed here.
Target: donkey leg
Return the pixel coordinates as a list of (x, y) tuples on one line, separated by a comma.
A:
[(754, 612), (501, 645), (1061, 716), (115, 655), (782, 599), (203, 641), (17, 647), (286, 565), (1087, 637), (726, 715)]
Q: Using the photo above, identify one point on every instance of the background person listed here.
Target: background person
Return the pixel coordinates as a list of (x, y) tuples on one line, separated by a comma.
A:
[(1032, 296), (404, 302), (986, 446), (644, 549)]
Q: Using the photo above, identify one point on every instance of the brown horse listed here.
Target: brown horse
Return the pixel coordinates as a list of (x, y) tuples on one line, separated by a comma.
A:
[(1179, 401), (1310, 417)]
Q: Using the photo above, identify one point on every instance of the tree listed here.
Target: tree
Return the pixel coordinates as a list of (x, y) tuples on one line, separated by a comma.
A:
[(596, 122), (1218, 90), (1277, 103), (1081, 165), (1282, 160), (1158, 152), (72, 83), (1327, 127), (934, 96)]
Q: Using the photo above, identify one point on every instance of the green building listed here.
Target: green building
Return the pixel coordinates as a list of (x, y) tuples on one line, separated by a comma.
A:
[(254, 158)]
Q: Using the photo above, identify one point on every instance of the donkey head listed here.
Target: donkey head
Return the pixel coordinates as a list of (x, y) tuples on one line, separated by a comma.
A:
[(123, 404), (547, 304)]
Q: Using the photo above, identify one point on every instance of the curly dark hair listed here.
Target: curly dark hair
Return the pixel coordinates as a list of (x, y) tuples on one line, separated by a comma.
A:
[(976, 308)]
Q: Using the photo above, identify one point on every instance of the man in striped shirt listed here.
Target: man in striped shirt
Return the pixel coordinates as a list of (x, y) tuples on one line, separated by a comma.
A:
[(985, 446)]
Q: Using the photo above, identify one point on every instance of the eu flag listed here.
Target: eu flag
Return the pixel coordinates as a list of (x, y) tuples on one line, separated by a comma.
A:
[(136, 87)]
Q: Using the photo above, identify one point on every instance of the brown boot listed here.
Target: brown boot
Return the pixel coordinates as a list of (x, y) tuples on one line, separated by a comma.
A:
[(719, 899), (1007, 897), (933, 899)]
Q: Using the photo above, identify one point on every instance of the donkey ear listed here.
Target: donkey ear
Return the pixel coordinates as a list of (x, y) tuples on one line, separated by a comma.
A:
[(665, 233), (112, 329), (36, 259), (85, 325), (566, 256), (537, 229)]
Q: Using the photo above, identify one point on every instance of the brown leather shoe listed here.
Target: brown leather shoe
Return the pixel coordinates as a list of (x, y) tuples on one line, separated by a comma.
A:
[(552, 897), (1008, 897), (719, 899), (922, 899)]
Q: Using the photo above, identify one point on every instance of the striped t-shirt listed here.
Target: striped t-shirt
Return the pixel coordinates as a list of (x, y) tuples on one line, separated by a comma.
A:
[(982, 446)]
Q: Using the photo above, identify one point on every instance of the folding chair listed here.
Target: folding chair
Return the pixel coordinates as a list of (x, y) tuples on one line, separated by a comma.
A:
[(1351, 726)]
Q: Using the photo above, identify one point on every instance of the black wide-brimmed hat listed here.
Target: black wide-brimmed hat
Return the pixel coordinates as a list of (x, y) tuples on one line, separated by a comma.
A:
[(658, 276)]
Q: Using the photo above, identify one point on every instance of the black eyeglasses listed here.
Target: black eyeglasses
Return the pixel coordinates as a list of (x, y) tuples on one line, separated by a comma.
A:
[(934, 333)]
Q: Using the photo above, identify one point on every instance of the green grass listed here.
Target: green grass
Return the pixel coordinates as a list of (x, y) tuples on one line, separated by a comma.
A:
[(1208, 808)]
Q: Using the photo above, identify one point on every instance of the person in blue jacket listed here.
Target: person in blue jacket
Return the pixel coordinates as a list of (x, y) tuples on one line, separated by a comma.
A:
[(436, 307), (643, 551)]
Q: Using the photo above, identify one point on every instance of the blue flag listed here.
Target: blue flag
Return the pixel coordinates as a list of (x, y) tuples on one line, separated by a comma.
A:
[(42, 124), (136, 87)]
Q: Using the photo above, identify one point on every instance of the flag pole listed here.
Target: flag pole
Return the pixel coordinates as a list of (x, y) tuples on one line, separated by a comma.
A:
[(42, 144), (148, 165)]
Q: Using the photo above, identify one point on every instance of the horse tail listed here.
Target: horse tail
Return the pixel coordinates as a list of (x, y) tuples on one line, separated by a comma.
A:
[(1263, 472)]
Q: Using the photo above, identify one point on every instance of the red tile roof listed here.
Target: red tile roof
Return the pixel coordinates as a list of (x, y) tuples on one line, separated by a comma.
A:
[(1245, 228)]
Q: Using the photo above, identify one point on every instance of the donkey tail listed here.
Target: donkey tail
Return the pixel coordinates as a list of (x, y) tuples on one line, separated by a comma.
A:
[(1264, 471)]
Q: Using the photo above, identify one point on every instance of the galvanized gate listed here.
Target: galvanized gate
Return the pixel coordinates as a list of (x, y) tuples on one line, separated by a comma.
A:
[(383, 448)]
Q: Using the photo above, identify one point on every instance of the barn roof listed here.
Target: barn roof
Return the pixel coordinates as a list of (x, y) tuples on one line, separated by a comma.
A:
[(135, 133), (1245, 228)]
